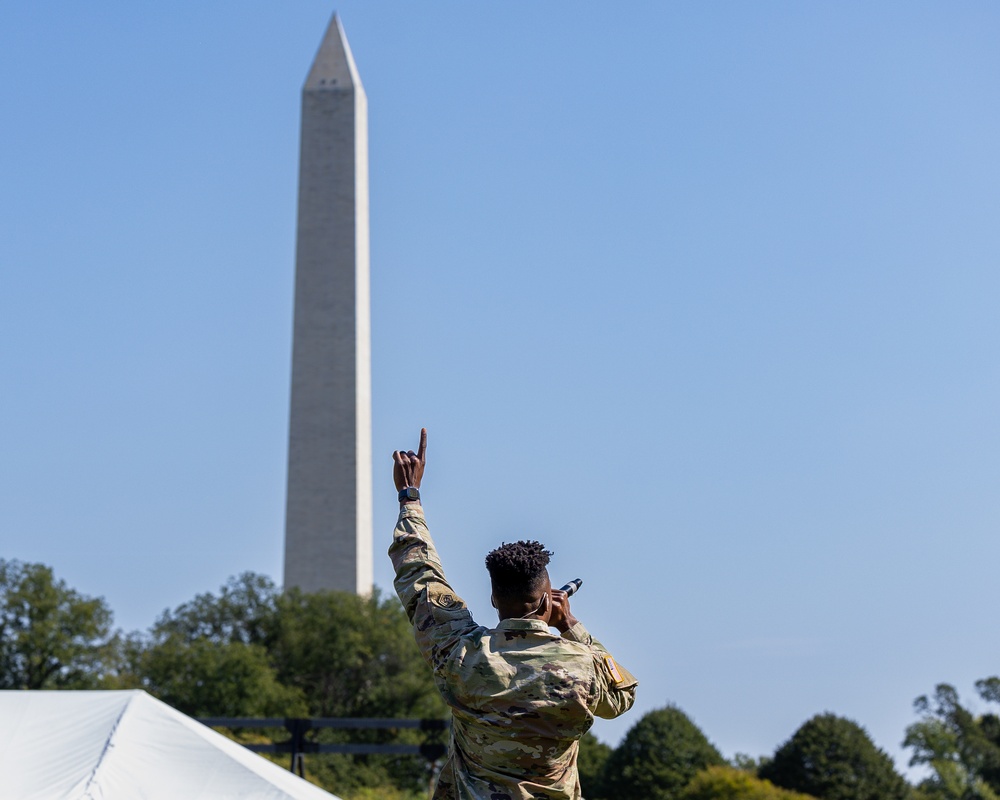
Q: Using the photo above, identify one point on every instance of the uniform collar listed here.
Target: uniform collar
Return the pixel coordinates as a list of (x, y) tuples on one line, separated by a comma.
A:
[(520, 624)]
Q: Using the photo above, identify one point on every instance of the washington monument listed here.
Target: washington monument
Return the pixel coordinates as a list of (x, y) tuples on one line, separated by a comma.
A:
[(328, 517)]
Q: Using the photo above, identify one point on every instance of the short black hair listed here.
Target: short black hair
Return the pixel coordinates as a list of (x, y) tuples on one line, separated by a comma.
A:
[(517, 569)]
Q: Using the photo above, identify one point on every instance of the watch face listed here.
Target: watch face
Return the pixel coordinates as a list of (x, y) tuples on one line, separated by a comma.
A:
[(410, 494)]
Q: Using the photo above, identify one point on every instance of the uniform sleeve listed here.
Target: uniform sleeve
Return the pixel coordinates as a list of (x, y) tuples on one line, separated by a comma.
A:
[(440, 618), (615, 690)]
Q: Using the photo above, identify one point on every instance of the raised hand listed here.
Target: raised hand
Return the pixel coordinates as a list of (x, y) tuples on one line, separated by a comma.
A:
[(560, 617), (408, 467)]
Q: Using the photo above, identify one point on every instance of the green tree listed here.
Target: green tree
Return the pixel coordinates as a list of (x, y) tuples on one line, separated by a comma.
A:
[(227, 679), (748, 763), (351, 656), (243, 612), (250, 650), (657, 758), (833, 758), (51, 637), (727, 783), (593, 755), (208, 657), (961, 748)]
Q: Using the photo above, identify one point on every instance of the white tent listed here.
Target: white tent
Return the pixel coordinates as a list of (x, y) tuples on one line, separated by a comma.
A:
[(127, 746)]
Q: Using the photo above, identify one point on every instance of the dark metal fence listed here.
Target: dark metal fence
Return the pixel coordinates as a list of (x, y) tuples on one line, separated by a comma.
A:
[(299, 742)]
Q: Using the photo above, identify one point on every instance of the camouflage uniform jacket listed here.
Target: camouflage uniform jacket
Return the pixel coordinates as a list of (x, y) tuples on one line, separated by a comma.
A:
[(521, 697)]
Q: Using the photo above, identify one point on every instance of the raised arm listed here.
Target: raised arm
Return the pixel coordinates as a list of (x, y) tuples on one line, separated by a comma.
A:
[(440, 618)]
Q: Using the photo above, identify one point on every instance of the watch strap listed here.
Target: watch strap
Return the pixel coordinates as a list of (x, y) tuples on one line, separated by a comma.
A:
[(409, 493)]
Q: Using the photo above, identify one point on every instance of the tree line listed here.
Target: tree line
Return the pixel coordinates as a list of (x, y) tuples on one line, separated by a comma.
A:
[(251, 650)]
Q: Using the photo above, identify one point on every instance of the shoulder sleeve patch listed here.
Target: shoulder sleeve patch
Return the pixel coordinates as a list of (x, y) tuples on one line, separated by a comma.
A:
[(445, 604), (616, 674)]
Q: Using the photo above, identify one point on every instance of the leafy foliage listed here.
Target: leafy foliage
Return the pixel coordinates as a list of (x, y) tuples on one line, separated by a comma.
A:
[(204, 678), (251, 651), (657, 758), (208, 657), (51, 637), (593, 755), (833, 758), (351, 656), (749, 763), (963, 750), (241, 613), (727, 783), (382, 792)]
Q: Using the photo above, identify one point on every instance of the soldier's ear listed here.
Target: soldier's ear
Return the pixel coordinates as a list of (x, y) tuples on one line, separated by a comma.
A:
[(493, 601), (545, 607)]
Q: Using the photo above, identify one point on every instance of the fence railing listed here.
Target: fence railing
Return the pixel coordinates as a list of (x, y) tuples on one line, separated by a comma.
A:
[(299, 744)]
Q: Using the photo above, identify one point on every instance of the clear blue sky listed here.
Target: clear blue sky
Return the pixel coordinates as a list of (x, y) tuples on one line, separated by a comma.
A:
[(704, 296)]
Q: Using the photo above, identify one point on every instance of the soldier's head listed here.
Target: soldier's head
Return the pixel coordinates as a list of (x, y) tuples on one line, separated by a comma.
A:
[(520, 579)]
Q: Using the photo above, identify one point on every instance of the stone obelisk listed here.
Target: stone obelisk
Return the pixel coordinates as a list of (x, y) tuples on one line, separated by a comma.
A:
[(328, 518)]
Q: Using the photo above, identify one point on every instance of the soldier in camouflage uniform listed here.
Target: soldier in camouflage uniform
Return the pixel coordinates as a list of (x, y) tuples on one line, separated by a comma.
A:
[(521, 697)]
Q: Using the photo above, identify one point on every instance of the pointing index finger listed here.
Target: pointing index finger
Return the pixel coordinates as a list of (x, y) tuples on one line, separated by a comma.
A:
[(423, 444)]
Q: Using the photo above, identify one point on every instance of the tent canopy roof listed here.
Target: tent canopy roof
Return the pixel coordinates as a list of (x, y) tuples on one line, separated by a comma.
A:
[(124, 746)]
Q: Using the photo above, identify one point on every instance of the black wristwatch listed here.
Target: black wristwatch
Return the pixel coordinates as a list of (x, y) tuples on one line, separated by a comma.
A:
[(409, 493)]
